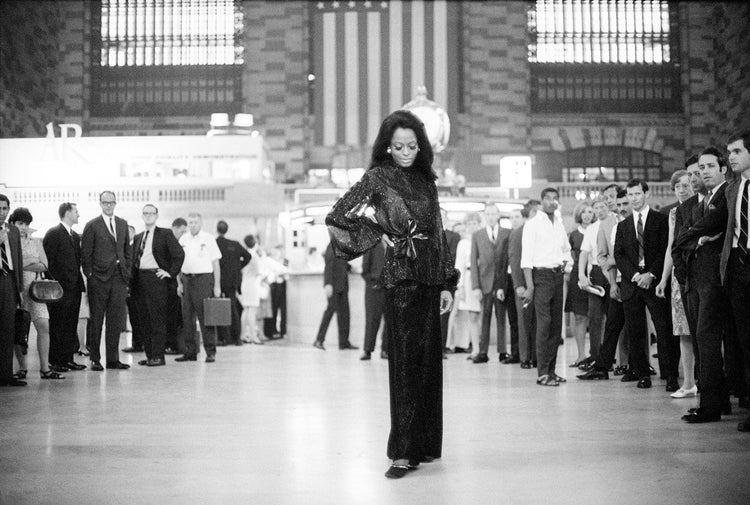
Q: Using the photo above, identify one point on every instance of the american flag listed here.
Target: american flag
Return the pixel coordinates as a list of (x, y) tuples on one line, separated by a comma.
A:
[(369, 57)]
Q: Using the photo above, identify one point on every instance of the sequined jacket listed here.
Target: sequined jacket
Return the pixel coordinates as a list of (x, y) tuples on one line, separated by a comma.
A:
[(405, 205)]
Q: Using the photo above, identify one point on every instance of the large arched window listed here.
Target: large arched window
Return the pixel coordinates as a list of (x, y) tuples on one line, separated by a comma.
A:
[(611, 163)]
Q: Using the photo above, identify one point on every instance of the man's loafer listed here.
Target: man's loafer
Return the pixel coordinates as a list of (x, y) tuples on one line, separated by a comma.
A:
[(644, 383), (630, 376), (210, 358), (143, 362), (186, 357), (133, 349), (510, 361), (96, 366), (702, 416), (156, 362), (397, 471), (348, 347), (75, 366), (594, 375), (503, 356), (319, 345), (169, 350), (365, 356), (480, 358), (117, 365), (526, 365)]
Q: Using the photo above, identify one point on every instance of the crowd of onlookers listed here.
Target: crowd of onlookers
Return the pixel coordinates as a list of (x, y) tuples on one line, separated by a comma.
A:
[(627, 274)]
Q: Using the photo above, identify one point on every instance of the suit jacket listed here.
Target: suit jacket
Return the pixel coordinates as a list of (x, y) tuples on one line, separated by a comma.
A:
[(515, 243), (103, 257), (372, 265), (452, 238), (234, 257), (167, 252), (655, 240), (605, 256), (683, 220), (336, 271), (720, 219), (63, 252), (14, 240), (489, 262), (667, 208)]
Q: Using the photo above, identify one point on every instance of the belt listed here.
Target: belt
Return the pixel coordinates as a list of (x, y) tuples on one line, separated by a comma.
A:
[(196, 275), (557, 269), (149, 270)]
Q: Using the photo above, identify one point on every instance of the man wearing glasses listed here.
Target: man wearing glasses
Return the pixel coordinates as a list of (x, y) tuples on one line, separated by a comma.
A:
[(105, 257)]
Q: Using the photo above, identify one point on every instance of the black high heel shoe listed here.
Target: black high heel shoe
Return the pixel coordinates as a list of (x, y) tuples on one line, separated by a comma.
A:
[(398, 471)]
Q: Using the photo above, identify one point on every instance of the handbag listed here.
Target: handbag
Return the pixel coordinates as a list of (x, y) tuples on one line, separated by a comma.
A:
[(45, 290), (23, 326)]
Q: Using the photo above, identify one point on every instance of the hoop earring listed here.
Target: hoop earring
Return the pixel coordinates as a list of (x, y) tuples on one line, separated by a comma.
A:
[(388, 150)]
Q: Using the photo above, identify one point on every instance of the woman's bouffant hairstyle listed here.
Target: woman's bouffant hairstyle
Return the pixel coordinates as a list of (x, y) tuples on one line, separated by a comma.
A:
[(20, 215), (579, 210), (406, 120)]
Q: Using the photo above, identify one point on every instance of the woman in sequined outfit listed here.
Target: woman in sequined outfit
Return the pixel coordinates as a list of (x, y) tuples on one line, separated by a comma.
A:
[(396, 201)]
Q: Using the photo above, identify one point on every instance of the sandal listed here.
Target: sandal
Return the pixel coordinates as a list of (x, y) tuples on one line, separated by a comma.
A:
[(558, 378), (50, 374), (21, 374), (546, 380)]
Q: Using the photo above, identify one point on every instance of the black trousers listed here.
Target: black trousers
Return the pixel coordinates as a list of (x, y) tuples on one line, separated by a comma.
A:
[(612, 329), (278, 306), (338, 303), (548, 305), (374, 312), (135, 322), (196, 288), (597, 310), (738, 289), (151, 300), (415, 371), (490, 303), (8, 305), (231, 334), (510, 307), (174, 316), (637, 332), (63, 327), (106, 299), (692, 325)]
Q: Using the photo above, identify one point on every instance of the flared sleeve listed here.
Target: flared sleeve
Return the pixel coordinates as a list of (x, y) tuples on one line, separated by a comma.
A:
[(352, 233)]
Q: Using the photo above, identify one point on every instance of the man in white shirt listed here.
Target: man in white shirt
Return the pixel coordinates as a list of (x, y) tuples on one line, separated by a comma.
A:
[(545, 252), (200, 278)]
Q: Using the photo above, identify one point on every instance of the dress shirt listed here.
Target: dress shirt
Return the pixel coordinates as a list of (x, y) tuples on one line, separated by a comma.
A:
[(744, 186), (492, 232), (148, 262), (643, 214), (6, 245), (589, 244), (544, 245), (200, 252), (111, 224)]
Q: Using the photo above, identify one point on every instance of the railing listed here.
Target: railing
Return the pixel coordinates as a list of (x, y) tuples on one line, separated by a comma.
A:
[(27, 196)]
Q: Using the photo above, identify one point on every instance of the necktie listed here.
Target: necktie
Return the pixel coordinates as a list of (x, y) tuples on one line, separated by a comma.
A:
[(5, 265), (744, 211), (639, 230), (492, 234), (112, 228), (705, 202), (141, 249)]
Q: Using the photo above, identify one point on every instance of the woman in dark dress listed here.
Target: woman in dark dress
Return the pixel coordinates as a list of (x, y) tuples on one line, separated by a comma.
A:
[(396, 201), (577, 302)]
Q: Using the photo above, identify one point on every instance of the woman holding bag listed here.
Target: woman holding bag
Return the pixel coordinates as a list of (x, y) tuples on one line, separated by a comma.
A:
[(34, 263)]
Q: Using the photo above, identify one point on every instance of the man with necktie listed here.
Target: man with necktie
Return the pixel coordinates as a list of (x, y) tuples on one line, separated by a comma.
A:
[(105, 257), (11, 287)]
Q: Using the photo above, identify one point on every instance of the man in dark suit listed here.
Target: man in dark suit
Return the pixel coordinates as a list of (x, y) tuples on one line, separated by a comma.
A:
[(105, 257), (11, 287), (62, 246), (372, 266), (174, 303), (452, 238), (525, 314), (157, 259), (640, 245), (336, 285), (489, 267), (705, 295), (234, 257)]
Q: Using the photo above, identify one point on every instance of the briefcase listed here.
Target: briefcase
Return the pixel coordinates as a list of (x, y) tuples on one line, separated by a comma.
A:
[(217, 311)]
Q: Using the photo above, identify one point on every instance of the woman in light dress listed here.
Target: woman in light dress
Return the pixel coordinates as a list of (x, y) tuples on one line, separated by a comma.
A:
[(680, 182), (34, 262), (464, 324), (255, 287)]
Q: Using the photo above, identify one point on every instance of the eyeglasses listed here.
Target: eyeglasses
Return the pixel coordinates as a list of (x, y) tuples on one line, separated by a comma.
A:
[(150, 213), (107, 203)]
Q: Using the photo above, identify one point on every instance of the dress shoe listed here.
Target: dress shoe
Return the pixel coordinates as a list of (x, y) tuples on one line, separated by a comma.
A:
[(117, 365), (744, 425), (383, 355), (621, 370), (480, 358), (685, 393), (221, 343), (143, 362), (365, 356), (96, 366), (651, 371), (503, 356), (672, 385), (133, 349), (526, 365), (58, 368), (187, 357), (644, 383), (629, 376), (510, 361), (702, 416), (170, 350), (319, 345), (156, 362), (594, 375), (397, 471), (210, 358), (726, 409), (75, 366), (348, 347), (12, 382)]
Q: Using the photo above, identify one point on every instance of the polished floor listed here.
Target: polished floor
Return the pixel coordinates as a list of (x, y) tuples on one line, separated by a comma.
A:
[(285, 423)]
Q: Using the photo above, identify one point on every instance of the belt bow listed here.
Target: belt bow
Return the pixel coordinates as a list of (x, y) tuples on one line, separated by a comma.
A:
[(403, 245)]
